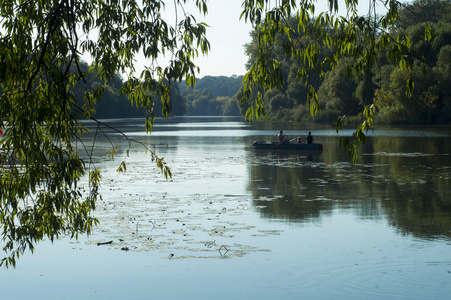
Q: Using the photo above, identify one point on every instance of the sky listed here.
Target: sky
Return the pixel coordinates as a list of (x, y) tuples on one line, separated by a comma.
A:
[(227, 35)]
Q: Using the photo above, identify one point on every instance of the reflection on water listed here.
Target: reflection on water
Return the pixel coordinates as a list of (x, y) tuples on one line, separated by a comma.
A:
[(403, 180), (235, 222)]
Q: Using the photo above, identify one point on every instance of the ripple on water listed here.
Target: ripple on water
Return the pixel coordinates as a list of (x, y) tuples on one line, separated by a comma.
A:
[(402, 279)]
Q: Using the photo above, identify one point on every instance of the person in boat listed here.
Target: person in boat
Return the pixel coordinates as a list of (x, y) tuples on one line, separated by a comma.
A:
[(310, 138), (299, 140), (282, 137)]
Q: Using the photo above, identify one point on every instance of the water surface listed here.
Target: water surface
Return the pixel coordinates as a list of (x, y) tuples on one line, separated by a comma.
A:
[(237, 223)]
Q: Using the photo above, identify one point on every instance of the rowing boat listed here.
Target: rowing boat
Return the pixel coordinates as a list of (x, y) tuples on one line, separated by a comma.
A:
[(286, 145)]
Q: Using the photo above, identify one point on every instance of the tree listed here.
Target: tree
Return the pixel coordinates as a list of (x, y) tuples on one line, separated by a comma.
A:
[(361, 38), (220, 86), (229, 106), (443, 75), (428, 104), (112, 104), (294, 90), (337, 91), (41, 42), (202, 103), (430, 11)]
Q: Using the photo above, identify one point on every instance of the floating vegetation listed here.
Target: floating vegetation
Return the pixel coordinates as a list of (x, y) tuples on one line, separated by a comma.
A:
[(271, 232), (177, 226), (412, 154)]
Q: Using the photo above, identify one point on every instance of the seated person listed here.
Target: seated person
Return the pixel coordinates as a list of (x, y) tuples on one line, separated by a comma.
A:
[(299, 140), (310, 138), (282, 137)]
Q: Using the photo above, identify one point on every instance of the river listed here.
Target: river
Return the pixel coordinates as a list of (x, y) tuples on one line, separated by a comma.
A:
[(239, 223)]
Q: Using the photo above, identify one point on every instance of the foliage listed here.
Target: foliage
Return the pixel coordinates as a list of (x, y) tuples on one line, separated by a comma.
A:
[(218, 85), (201, 103), (429, 104), (337, 92), (41, 43), (114, 104), (362, 39), (182, 99), (229, 106), (293, 91), (212, 96)]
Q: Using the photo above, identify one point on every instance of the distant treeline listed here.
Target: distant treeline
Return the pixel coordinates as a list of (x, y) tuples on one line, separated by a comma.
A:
[(212, 96), (114, 104)]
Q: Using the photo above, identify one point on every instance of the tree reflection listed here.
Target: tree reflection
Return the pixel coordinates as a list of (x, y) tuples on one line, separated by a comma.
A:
[(397, 179)]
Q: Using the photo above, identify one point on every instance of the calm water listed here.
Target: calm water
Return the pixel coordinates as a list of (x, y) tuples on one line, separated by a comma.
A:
[(237, 223)]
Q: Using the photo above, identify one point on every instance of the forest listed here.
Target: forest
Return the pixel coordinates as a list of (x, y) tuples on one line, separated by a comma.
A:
[(381, 84), (340, 94)]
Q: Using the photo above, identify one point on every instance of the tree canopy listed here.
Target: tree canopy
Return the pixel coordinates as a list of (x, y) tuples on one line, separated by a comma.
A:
[(41, 45), (382, 85), (301, 34)]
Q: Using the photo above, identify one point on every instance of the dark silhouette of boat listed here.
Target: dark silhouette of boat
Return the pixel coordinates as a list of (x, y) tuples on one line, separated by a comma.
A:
[(287, 145)]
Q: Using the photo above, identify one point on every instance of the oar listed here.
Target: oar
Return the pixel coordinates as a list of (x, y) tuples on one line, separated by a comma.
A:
[(284, 141)]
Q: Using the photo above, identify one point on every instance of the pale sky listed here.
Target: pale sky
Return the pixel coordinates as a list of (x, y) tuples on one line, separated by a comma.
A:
[(227, 35)]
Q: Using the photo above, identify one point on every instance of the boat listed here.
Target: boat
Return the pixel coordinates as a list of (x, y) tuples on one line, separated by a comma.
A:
[(287, 145)]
